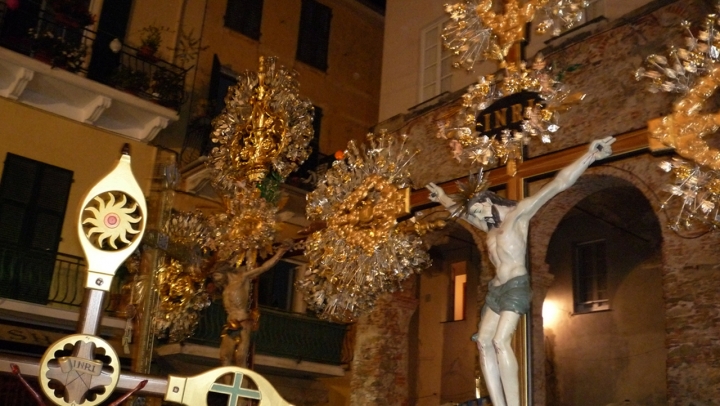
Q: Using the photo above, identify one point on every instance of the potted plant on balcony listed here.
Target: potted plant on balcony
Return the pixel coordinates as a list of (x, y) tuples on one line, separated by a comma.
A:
[(57, 51), (72, 13), (150, 40), (130, 80), (167, 88)]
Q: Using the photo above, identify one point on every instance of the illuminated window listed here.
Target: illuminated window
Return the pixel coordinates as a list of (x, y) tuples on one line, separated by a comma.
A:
[(458, 283), (590, 276)]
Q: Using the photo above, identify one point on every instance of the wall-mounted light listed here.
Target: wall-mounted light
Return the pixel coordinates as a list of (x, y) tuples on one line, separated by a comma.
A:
[(115, 45)]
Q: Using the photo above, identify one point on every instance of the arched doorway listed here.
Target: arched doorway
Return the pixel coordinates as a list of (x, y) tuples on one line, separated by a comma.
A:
[(443, 357), (603, 314)]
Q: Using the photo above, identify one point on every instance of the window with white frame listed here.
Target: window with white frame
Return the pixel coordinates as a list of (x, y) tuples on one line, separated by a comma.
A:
[(590, 276), (436, 62)]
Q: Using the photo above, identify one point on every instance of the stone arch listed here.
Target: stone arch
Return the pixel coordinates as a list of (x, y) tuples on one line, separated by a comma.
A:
[(485, 270), (544, 224)]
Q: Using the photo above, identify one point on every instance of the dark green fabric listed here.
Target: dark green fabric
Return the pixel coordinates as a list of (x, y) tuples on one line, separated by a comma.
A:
[(514, 295)]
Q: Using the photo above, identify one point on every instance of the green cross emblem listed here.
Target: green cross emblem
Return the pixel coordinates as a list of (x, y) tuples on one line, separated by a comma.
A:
[(235, 391)]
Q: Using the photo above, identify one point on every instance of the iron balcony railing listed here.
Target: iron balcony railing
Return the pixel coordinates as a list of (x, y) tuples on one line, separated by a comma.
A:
[(45, 278), (281, 334), (62, 43), (299, 337)]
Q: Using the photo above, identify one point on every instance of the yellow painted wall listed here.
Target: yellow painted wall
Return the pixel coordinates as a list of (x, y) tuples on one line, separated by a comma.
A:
[(87, 151), (159, 13), (405, 20), (348, 92)]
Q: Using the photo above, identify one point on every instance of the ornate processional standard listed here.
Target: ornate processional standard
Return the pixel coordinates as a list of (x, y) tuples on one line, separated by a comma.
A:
[(83, 369)]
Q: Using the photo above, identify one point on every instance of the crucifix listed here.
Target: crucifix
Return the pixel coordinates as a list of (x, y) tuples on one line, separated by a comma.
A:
[(82, 368)]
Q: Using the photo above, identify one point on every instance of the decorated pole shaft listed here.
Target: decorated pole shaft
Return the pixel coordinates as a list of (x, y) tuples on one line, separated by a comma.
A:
[(110, 225)]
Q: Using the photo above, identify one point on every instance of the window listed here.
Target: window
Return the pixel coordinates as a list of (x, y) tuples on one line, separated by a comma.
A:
[(306, 176), (317, 124), (244, 16), (113, 23), (314, 35), (457, 294), (590, 277), (221, 79), (197, 141), (275, 287), (314, 159), (436, 69), (33, 199)]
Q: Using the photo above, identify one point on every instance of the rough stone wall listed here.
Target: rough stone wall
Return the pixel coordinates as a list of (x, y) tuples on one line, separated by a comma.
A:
[(604, 65), (618, 104), (380, 363), (639, 171), (691, 282)]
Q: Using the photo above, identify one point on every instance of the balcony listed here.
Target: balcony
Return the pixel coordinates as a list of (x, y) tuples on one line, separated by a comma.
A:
[(41, 289), (45, 62), (41, 293), (287, 342)]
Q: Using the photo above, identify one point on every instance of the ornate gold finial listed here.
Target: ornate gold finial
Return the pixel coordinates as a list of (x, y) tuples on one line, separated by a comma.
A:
[(266, 126)]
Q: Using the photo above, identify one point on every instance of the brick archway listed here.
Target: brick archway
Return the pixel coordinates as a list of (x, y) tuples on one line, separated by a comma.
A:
[(544, 224)]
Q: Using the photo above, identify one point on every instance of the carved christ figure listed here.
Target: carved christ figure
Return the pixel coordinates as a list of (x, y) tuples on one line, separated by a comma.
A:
[(235, 283), (506, 224)]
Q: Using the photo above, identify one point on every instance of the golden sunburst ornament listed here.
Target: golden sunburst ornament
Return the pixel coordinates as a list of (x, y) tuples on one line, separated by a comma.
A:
[(692, 71), (475, 185), (539, 120), (182, 295), (265, 126), (476, 32), (361, 252), (109, 221), (245, 230), (180, 282)]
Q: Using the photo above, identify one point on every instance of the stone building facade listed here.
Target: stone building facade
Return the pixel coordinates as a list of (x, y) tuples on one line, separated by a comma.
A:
[(603, 62)]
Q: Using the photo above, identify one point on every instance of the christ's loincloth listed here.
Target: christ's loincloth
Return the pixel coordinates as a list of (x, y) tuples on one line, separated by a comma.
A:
[(513, 295)]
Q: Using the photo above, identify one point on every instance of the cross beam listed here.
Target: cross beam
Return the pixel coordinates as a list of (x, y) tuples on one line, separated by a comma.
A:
[(626, 144)]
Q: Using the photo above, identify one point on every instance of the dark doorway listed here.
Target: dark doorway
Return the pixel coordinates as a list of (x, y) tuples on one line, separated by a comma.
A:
[(112, 24)]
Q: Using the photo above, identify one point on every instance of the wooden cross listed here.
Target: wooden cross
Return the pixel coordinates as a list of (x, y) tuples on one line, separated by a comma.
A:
[(111, 225)]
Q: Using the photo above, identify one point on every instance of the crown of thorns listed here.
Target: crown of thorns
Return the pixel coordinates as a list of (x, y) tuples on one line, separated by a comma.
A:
[(475, 185)]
